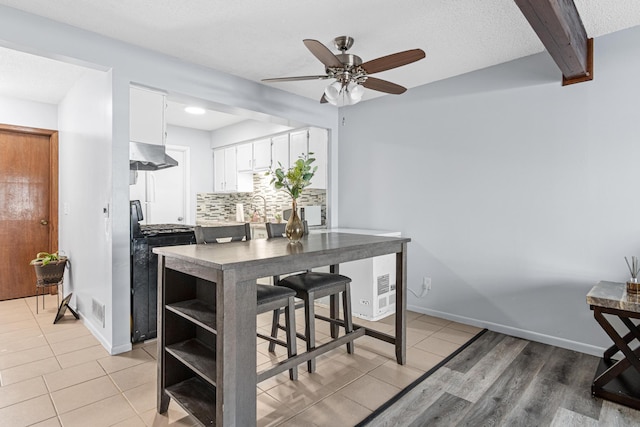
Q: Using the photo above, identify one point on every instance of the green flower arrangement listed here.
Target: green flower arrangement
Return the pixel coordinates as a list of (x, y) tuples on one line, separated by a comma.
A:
[(297, 178)]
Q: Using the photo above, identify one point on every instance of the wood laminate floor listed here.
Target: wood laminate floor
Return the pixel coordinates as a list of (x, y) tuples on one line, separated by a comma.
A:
[(60, 375), (505, 381)]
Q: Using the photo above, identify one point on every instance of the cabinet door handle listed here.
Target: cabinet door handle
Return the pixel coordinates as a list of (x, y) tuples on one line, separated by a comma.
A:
[(44, 222)]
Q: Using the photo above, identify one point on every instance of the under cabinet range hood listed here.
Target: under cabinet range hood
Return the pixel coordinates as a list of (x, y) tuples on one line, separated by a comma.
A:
[(149, 157)]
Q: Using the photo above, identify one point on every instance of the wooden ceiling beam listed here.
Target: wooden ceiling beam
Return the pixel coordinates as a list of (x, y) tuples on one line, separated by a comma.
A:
[(558, 25)]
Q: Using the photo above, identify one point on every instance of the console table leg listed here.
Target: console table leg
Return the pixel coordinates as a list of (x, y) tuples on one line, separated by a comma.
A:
[(630, 355), (617, 380)]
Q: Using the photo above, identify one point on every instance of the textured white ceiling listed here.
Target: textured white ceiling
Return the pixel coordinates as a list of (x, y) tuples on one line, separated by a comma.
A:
[(210, 120), (35, 78), (260, 39)]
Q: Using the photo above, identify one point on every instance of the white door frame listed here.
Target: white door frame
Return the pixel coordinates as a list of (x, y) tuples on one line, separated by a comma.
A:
[(186, 169)]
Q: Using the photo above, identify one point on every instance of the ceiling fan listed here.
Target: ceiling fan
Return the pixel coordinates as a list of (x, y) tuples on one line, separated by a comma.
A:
[(351, 73)]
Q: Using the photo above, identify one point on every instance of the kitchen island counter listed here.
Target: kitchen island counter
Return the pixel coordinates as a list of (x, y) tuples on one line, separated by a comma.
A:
[(220, 281)]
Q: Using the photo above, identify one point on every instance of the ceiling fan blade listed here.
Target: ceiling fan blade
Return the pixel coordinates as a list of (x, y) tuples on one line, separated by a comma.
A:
[(383, 86), (323, 53), (323, 100), (294, 79), (392, 61)]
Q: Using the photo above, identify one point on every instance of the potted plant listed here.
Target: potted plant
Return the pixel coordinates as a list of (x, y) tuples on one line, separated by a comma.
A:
[(49, 267), (293, 181)]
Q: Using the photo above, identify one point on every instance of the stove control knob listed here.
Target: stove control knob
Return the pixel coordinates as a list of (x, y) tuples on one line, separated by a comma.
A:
[(180, 219)]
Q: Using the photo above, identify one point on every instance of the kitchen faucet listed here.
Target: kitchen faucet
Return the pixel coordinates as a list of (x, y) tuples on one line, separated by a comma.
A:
[(264, 201)]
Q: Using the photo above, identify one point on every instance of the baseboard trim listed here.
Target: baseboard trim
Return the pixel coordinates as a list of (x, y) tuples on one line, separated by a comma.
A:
[(515, 332), (106, 344)]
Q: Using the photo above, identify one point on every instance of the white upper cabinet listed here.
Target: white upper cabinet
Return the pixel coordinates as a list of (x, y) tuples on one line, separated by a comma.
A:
[(318, 146), (226, 177), (225, 170), (288, 148), (218, 170), (280, 151), (146, 120), (235, 165), (230, 169), (245, 157), (262, 155), (254, 156), (244, 183), (297, 146)]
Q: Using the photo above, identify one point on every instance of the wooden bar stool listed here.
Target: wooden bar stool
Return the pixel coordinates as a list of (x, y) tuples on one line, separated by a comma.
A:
[(310, 286)]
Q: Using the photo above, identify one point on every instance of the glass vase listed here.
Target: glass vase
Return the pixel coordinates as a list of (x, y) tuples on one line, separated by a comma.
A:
[(294, 230)]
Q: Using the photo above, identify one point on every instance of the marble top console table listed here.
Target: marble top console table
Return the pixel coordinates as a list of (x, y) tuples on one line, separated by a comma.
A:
[(207, 316), (614, 380)]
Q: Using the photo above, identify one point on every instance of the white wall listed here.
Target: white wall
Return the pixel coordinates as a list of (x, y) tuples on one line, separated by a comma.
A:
[(244, 131), (85, 134), (129, 64), (21, 112), (201, 161), (519, 194)]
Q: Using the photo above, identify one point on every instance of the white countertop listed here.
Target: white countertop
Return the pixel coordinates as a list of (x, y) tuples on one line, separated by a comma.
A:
[(363, 231), (223, 223)]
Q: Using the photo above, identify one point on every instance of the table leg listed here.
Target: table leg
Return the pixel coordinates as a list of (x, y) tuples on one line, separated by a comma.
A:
[(235, 351), (334, 305), (401, 305), (162, 402)]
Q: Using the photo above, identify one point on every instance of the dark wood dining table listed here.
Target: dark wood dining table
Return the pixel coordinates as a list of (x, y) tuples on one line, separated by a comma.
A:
[(211, 289)]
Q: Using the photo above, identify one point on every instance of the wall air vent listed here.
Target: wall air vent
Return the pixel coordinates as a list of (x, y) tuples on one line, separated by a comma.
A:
[(97, 309)]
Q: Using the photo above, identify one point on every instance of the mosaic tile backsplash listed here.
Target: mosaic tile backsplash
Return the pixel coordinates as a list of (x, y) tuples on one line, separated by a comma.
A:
[(222, 206)]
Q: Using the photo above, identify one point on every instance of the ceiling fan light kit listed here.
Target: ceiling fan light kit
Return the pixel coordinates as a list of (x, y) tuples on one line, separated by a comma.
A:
[(341, 94), (350, 73)]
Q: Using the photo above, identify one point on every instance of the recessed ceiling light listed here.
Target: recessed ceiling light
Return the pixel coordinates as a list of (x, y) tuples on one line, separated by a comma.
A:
[(194, 110)]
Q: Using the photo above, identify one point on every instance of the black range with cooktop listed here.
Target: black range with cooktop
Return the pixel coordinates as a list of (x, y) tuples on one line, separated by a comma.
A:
[(144, 268)]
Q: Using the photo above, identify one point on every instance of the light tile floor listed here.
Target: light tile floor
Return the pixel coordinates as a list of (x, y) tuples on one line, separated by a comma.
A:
[(60, 375)]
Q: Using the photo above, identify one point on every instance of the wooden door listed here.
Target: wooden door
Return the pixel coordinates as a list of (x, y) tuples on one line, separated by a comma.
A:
[(28, 205)]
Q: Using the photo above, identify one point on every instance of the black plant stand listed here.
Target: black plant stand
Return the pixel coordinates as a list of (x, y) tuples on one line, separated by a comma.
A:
[(40, 284)]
